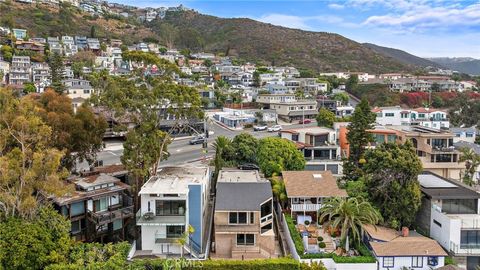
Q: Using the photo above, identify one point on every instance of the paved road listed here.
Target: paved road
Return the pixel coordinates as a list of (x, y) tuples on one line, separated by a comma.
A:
[(180, 150)]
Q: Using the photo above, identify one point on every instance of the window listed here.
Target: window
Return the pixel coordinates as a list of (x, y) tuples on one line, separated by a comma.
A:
[(470, 239), (389, 114), (175, 231), (117, 224), (417, 262), (170, 208), (252, 217), (469, 135), (101, 205), (388, 262), (437, 223), (295, 137), (245, 239), (459, 206), (433, 261), (77, 209), (76, 226), (237, 218)]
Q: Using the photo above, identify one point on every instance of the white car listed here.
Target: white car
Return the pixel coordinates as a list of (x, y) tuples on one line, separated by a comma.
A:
[(274, 128), (260, 127)]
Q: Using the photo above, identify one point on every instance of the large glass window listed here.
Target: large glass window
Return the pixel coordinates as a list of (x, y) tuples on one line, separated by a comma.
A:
[(459, 206), (101, 204), (245, 239), (307, 153), (433, 261), (169, 208), (388, 262), (266, 208), (77, 209), (175, 231), (470, 239)]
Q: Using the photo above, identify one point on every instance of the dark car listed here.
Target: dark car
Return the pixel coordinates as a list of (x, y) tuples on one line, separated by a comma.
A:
[(249, 167), (197, 140)]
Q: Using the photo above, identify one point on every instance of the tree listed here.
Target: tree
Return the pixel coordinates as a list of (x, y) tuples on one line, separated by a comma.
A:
[(79, 134), (57, 68), (256, 79), (437, 102), (245, 146), (275, 155), (36, 243), (342, 97), (93, 32), (184, 239), (472, 161), (352, 82), (325, 118), (223, 153), (28, 166), (392, 182), (435, 87), (349, 215), (279, 190), (220, 98), (358, 138), (29, 88), (7, 52)]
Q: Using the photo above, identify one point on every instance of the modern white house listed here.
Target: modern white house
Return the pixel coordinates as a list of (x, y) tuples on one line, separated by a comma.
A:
[(397, 116), (450, 214), (464, 134), (407, 249), (319, 147), (171, 201)]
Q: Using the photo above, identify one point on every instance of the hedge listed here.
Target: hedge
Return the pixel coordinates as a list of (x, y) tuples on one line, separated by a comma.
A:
[(267, 264), (362, 249), (297, 239)]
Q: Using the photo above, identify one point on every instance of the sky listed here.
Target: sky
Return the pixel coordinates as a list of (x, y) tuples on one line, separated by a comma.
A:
[(426, 28)]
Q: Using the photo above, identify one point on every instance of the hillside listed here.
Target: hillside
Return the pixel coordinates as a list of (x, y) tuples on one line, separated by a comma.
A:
[(246, 39), (403, 56), (44, 20), (462, 64), (252, 41)]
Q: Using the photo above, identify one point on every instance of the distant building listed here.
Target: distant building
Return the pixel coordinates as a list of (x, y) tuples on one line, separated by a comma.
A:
[(464, 134), (426, 117), (19, 33), (20, 70)]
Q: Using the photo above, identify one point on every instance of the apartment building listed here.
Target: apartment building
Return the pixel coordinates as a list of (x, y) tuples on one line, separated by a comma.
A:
[(173, 200), (296, 110), (99, 209), (450, 214), (244, 227), (319, 147), (434, 148), (20, 70), (78, 88), (267, 99)]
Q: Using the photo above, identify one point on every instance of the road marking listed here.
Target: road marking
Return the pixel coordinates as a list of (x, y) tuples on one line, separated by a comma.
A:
[(112, 153)]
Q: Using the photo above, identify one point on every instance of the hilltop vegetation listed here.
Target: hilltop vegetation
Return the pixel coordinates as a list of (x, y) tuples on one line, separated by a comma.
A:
[(246, 39)]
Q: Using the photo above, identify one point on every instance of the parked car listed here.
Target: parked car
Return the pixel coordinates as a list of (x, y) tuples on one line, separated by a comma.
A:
[(260, 127), (274, 128), (197, 140), (249, 167), (305, 121)]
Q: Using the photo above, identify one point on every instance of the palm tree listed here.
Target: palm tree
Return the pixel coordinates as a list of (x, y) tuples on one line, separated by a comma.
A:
[(278, 188), (348, 215), (472, 161), (183, 240)]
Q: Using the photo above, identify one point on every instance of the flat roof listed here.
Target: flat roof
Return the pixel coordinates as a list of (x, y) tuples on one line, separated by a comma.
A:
[(239, 190), (175, 180), (310, 130), (437, 187)]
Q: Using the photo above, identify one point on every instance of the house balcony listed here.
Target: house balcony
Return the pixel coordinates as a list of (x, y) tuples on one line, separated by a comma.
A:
[(305, 207), (464, 249), (150, 219), (113, 213)]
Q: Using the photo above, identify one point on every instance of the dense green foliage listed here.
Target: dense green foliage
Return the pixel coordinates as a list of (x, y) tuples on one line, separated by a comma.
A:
[(275, 155), (57, 68), (349, 215), (245, 146), (294, 234), (325, 118), (358, 138), (364, 257), (392, 182)]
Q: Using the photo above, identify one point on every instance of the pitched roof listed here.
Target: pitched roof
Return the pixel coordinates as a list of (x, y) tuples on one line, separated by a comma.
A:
[(381, 233), (241, 191), (311, 184), (408, 246)]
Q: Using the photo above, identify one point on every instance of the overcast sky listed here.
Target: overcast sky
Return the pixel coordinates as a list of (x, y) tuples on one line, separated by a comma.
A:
[(427, 28)]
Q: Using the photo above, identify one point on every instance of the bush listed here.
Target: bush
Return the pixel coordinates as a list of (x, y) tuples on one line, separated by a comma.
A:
[(322, 245), (450, 261), (366, 256), (297, 239), (248, 125), (320, 239), (268, 264)]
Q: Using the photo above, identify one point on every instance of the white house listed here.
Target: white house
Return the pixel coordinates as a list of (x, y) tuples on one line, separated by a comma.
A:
[(450, 214), (403, 250), (77, 88), (464, 134), (397, 116), (172, 201)]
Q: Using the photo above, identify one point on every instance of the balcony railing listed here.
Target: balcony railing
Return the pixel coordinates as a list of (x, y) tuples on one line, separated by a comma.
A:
[(149, 218), (112, 214), (307, 207), (266, 218), (464, 249)]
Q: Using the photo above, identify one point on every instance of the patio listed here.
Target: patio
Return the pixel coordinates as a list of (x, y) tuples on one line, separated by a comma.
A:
[(313, 235)]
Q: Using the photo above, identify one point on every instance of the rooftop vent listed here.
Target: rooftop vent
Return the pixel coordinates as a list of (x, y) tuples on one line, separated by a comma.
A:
[(317, 176)]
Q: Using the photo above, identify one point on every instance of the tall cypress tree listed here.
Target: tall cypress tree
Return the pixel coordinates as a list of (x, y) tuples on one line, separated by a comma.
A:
[(57, 69), (358, 138)]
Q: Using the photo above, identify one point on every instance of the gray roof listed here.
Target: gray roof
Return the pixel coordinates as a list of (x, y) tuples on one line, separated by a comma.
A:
[(437, 187), (459, 129), (242, 196), (463, 144)]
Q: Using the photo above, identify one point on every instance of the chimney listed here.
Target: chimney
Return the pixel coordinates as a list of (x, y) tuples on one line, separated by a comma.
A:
[(405, 231)]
